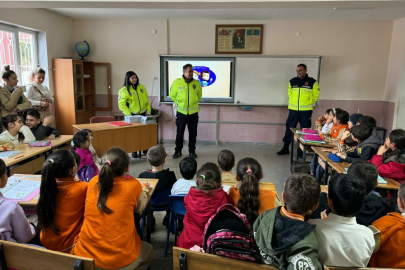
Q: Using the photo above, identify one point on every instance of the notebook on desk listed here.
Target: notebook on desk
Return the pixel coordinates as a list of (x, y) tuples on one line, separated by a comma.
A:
[(119, 124), (20, 189), (9, 154)]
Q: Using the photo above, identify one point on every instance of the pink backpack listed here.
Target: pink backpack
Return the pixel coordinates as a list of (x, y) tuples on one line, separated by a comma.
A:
[(228, 233), (308, 130), (312, 137)]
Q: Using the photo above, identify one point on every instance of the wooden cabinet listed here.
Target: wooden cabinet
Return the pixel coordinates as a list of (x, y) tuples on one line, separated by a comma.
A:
[(81, 88)]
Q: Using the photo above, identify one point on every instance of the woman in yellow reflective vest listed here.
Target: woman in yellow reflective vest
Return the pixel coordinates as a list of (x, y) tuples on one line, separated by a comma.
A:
[(133, 98)]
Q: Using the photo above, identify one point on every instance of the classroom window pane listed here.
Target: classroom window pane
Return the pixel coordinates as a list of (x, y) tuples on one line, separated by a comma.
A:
[(26, 43), (7, 50)]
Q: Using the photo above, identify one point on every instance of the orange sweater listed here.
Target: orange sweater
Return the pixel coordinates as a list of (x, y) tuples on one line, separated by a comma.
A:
[(392, 234), (335, 133), (111, 239), (69, 210), (267, 198)]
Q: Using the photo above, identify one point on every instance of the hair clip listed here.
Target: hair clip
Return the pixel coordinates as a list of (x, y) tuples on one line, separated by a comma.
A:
[(51, 160), (248, 171), (203, 176), (109, 162)]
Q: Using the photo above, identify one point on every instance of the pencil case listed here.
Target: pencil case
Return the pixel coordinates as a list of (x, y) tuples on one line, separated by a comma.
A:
[(335, 158), (39, 143), (308, 130), (310, 137)]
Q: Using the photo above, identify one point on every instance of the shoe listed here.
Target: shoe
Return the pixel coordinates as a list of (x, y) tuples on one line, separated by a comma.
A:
[(193, 155), (134, 154), (283, 151), (145, 152), (176, 155)]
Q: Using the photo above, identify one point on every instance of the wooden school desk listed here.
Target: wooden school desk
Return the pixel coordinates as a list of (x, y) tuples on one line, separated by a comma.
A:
[(62, 142), (24, 166), (262, 185), (133, 138), (152, 183), (340, 167), (306, 146)]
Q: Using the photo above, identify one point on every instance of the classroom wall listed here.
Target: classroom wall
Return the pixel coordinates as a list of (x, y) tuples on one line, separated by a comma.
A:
[(350, 50)]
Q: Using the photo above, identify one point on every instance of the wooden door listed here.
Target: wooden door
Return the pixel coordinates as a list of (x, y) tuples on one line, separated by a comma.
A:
[(102, 86)]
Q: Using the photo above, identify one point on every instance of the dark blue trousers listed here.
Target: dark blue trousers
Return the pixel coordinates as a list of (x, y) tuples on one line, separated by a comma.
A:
[(295, 117)]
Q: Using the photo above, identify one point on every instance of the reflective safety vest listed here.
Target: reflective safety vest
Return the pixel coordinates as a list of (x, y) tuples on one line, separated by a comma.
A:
[(135, 102), (302, 93), (186, 95)]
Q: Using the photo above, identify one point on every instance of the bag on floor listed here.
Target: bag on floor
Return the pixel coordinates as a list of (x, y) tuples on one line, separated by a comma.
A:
[(86, 173), (228, 233)]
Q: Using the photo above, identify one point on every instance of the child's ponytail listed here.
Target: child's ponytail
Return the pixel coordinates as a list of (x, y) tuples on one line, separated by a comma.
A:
[(209, 177), (58, 165), (115, 161), (249, 173)]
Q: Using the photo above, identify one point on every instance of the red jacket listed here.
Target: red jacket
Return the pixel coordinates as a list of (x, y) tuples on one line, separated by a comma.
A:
[(200, 206), (391, 169), (392, 234)]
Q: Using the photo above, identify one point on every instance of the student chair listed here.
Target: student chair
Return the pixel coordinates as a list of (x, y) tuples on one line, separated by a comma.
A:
[(177, 212), (102, 119), (158, 202)]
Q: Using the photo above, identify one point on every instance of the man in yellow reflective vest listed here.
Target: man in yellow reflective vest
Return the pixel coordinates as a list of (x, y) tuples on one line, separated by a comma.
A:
[(303, 92), (186, 93)]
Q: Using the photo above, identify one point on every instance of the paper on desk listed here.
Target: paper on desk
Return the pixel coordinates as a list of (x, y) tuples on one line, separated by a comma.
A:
[(226, 188), (19, 189), (379, 178)]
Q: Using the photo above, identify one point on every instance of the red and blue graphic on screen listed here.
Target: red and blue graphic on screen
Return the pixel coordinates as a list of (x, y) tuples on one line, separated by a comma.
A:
[(204, 75)]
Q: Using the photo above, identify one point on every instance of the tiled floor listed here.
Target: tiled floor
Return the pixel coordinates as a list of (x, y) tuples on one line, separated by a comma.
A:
[(276, 169)]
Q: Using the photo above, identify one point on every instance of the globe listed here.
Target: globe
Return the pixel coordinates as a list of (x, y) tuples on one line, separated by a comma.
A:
[(82, 48)]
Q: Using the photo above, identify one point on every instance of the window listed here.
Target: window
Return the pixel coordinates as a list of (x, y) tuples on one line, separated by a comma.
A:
[(22, 58)]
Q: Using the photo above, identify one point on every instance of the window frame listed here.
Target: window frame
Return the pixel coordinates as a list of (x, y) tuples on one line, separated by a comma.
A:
[(16, 42)]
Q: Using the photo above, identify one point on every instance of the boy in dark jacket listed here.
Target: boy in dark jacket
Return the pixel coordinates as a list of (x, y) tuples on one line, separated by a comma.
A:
[(41, 130), (285, 240), (367, 147), (373, 207)]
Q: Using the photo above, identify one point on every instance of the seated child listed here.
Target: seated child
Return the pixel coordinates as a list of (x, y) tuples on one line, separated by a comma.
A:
[(201, 203), (371, 123), (390, 158), (14, 226), (96, 159), (157, 158), (390, 233), (324, 123), (339, 126), (41, 130), (61, 203), (247, 196), (373, 207), (188, 169), (108, 234), (342, 242), (226, 161), (285, 240), (346, 140), (15, 131), (367, 145), (81, 144), (300, 166)]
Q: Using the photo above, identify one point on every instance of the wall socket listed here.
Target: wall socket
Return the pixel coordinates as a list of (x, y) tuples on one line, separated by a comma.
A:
[(155, 77)]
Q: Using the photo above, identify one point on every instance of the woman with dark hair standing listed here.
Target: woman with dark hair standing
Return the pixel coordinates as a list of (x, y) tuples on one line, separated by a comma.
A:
[(132, 97)]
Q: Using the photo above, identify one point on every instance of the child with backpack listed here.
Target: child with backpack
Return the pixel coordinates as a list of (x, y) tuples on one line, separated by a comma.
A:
[(201, 203), (390, 158), (285, 240), (61, 202), (108, 234), (81, 144), (247, 196)]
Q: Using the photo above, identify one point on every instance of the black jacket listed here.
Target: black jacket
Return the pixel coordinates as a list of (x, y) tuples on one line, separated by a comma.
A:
[(366, 149), (41, 132), (166, 178)]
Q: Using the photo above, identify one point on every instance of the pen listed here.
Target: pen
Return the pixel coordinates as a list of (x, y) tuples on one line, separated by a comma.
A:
[(18, 157)]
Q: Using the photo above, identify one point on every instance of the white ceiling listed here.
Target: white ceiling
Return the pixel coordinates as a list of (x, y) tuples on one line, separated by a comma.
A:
[(219, 9)]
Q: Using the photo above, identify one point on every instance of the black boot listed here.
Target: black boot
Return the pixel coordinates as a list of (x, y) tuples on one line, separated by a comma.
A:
[(285, 150)]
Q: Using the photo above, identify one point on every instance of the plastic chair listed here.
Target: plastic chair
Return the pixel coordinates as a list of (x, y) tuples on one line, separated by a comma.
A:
[(102, 119), (158, 202), (177, 212)]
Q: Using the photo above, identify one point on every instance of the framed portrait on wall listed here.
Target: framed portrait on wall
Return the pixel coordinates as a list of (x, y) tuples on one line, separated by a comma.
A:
[(238, 38)]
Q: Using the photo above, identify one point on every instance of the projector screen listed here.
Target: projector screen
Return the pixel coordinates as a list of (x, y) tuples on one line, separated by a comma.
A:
[(216, 76)]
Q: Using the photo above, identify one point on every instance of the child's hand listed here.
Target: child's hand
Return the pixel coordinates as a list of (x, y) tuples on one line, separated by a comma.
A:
[(324, 215), (51, 137), (328, 121), (48, 120), (383, 148), (146, 184), (334, 152), (343, 156)]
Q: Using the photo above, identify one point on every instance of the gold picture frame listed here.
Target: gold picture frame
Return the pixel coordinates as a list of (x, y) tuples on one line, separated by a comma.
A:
[(238, 38)]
